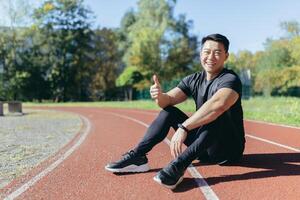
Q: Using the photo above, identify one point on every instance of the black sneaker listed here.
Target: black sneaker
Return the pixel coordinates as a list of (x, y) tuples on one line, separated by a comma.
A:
[(130, 162), (170, 176)]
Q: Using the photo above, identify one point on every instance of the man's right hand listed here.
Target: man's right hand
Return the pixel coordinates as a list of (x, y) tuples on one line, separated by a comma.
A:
[(155, 90)]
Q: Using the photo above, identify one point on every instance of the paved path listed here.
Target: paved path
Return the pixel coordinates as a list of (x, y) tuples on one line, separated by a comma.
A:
[(270, 168), (26, 140)]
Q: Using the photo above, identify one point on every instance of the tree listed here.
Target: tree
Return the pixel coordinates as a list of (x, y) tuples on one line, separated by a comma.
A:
[(105, 61), (127, 21), (128, 80), (13, 75), (291, 27), (157, 42), (272, 61), (67, 27), (182, 54), (145, 35)]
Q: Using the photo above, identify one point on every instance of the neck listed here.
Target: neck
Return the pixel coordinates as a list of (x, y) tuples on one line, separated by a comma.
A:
[(210, 76)]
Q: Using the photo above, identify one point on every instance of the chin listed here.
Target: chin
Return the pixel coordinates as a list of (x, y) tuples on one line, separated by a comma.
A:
[(208, 69)]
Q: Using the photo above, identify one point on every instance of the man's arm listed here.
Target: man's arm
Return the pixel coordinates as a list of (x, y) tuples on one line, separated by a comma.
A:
[(163, 100), (221, 101)]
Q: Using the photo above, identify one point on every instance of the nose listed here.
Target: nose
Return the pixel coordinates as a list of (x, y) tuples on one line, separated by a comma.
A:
[(211, 56)]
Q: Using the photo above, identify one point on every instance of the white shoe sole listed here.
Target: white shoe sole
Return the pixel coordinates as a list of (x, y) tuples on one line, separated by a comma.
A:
[(130, 168), (156, 179)]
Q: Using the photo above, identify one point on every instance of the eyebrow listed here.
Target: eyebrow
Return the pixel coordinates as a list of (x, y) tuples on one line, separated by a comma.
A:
[(212, 50)]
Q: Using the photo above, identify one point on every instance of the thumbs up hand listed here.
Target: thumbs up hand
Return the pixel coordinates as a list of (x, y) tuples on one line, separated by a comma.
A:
[(155, 79), (155, 90)]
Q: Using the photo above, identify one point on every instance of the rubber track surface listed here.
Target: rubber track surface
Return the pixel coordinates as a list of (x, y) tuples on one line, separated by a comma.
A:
[(267, 171)]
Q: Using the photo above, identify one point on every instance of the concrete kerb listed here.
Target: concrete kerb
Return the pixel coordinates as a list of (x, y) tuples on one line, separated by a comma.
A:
[(14, 108), (1, 109)]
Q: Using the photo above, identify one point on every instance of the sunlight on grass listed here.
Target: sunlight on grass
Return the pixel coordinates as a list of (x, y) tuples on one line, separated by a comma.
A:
[(282, 110)]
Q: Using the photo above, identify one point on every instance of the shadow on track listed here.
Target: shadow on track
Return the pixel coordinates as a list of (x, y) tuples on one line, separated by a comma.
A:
[(267, 165), (132, 173)]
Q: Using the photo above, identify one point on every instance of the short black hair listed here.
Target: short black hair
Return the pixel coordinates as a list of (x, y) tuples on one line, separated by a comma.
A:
[(218, 38)]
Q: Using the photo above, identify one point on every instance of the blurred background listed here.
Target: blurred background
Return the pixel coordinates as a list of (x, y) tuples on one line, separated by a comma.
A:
[(76, 50)]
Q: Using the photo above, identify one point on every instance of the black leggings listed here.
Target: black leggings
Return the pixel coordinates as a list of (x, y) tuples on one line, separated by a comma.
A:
[(217, 139)]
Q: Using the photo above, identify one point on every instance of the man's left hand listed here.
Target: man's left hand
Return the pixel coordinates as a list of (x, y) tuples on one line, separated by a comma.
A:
[(177, 141)]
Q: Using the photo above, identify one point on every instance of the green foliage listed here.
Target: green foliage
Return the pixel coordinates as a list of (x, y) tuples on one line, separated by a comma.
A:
[(158, 43), (289, 79), (104, 64), (275, 70), (266, 81), (291, 27), (294, 47), (60, 57), (67, 27), (276, 55), (129, 77), (182, 56), (146, 34)]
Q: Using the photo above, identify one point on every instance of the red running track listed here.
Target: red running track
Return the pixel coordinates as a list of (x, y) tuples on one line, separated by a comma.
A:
[(270, 168)]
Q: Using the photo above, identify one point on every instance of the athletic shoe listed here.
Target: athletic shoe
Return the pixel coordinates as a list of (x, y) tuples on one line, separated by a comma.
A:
[(130, 162), (171, 175)]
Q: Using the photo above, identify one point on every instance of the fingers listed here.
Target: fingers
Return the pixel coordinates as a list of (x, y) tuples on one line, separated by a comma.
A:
[(154, 92), (155, 89), (175, 148), (155, 79), (176, 142), (172, 149)]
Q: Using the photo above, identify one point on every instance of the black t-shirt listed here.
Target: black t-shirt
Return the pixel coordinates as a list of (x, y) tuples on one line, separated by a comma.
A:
[(196, 86)]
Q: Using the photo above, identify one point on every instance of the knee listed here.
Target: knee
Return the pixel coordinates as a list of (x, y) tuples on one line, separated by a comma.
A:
[(168, 111)]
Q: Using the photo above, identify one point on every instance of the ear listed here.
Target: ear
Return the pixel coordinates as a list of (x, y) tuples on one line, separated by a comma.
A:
[(226, 56)]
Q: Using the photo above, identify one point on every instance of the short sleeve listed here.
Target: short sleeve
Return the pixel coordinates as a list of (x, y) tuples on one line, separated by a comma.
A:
[(184, 85), (231, 81)]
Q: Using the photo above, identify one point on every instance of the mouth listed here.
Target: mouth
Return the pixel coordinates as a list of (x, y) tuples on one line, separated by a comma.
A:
[(210, 64)]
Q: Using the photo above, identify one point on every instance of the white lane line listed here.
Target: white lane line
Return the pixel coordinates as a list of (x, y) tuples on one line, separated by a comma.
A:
[(273, 124), (51, 167), (203, 185), (274, 143), (252, 136)]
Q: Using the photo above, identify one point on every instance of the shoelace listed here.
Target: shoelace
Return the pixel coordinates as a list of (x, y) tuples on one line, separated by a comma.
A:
[(128, 155)]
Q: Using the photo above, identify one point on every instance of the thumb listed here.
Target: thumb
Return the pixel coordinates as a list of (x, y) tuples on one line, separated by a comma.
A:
[(155, 79)]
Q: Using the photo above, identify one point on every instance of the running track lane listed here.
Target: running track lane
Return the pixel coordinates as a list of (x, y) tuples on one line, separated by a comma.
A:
[(267, 171)]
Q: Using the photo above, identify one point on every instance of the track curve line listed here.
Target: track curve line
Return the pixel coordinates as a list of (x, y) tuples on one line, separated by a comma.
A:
[(263, 174), (52, 166)]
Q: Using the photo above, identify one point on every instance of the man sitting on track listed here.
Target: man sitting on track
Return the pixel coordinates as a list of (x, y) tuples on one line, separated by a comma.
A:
[(214, 133)]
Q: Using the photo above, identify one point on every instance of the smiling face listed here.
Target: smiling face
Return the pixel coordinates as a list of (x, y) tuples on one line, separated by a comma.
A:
[(213, 56)]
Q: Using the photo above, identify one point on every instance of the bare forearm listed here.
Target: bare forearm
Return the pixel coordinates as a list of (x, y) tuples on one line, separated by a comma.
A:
[(210, 111), (221, 101), (163, 100)]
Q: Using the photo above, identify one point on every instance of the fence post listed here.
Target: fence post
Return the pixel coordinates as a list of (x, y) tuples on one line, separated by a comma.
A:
[(15, 107)]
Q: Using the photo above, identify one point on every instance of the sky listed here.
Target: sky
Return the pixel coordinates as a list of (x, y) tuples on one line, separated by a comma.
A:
[(247, 23)]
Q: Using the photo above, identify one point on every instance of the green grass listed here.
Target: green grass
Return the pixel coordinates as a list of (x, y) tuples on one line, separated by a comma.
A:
[(281, 110)]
